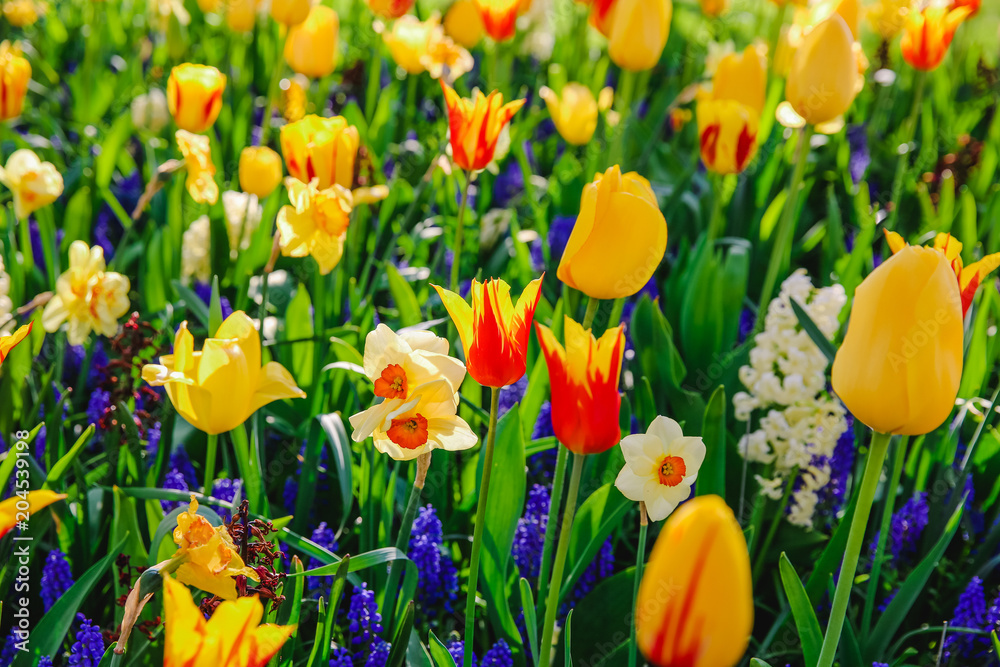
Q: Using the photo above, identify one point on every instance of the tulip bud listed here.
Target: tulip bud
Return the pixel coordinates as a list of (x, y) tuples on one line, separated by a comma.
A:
[(311, 46), (619, 238), (574, 112), (714, 8), (695, 604), (260, 170), (928, 35), (822, 80), (150, 112), (194, 95), (241, 15), (390, 9), (899, 367), (290, 12), (463, 24), (638, 31), (15, 72), (321, 148)]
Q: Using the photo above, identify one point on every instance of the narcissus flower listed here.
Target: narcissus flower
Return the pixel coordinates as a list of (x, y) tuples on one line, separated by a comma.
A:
[(499, 17), (445, 59), (397, 363), (584, 380), (233, 637), (90, 298), (311, 46), (661, 466), (8, 341), (637, 30), (194, 96), (822, 79), (260, 170), (390, 9), (619, 238), (15, 72), (729, 115), (695, 604), (197, 152), (899, 367), (476, 125), (33, 184), (573, 110), (409, 39), (493, 330), (219, 387), (321, 148), (290, 12), (315, 223), (15, 508), (463, 24), (209, 557), (928, 34)]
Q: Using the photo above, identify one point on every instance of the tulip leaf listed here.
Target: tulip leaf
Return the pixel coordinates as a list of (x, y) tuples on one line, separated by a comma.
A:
[(57, 471), (340, 446), (530, 622), (810, 633), (567, 640), (439, 652), (195, 305), (109, 656), (404, 296), (534, 396), (757, 662), (316, 656), (214, 308), (308, 476), (604, 616), (47, 636), (125, 526), (299, 327), (832, 554), (597, 517), (400, 643), (817, 336), (712, 476), (249, 465), (911, 589), (996, 642)]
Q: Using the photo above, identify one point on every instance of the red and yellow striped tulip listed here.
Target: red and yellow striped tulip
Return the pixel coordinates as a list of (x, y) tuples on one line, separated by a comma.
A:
[(15, 72), (321, 148), (476, 125), (20, 508), (928, 34), (194, 96), (499, 17)]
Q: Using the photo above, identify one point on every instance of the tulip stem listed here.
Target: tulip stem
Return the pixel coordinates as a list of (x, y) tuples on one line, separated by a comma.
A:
[(785, 233), (855, 540), (555, 585), (555, 502), (890, 500), (403, 540), (779, 21), (477, 534), (456, 260), (640, 561), (909, 129), (213, 446), (272, 88), (588, 317), (624, 103)]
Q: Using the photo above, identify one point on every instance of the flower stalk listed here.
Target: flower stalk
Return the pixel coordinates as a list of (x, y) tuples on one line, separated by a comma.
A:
[(456, 260), (403, 539), (640, 561)]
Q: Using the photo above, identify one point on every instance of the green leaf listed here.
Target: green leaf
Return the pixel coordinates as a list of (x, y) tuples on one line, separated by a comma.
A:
[(358, 563), (567, 640), (822, 342), (603, 617), (248, 463), (125, 526), (530, 622), (757, 662), (810, 633), (440, 654), (114, 141), (308, 476), (405, 298), (340, 446), (214, 308), (195, 305), (48, 634), (299, 327), (321, 643), (57, 471), (996, 642), (400, 643), (712, 476), (600, 514)]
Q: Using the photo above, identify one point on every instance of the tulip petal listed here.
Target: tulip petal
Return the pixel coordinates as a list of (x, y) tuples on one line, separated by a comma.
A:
[(274, 383), (184, 629), (36, 500), (461, 313)]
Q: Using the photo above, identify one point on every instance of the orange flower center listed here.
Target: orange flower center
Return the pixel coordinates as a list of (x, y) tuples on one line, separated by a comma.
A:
[(672, 470), (392, 383), (409, 432)]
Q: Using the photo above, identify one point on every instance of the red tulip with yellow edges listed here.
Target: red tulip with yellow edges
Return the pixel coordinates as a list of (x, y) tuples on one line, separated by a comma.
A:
[(928, 34), (729, 115), (390, 9), (20, 508), (695, 606), (973, 5), (493, 330), (499, 17), (476, 125), (321, 148), (584, 380), (9, 341), (194, 96)]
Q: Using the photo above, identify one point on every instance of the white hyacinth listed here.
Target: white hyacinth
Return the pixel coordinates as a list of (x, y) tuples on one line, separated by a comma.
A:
[(243, 215), (799, 422), (196, 258)]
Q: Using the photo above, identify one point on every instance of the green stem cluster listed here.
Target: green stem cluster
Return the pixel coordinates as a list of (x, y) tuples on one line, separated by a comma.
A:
[(640, 562)]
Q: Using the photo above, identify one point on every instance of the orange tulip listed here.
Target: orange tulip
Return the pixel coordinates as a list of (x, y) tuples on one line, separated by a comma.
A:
[(321, 148), (8, 342), (973, 5), (499, 17), (15, 72), (476, 125), (584, 380), (194, 95), (493, 330), (928, 35), (311, 46)]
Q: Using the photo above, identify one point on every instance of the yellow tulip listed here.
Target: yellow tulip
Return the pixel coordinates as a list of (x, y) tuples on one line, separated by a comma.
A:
[(637, 31), (574, 112), (714, 8), (290, 12), (9, 341), (410, 39), (33, 184), (241, 15), (619, 237), (899, 367), (888, 17), (390, 9), (218, 388), (463, 24), (321, 148), (17, 508), (729, 115), (15, 72), (695, 604), (233, 637), (197, 152), (194, 96), (260, 170), (822, 80), (293, 98), (742, 77), (209, 557), (209, 6), (22, 13), (311, 46)]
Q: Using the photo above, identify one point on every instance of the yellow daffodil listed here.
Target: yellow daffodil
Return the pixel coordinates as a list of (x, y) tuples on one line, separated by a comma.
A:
[(260, 170), (321, 148), (32, 183), (90, 298), (15, 72), (446, 60), (209, 559), (194, 96), (573, 111), (8, 341), (315, 223), (311, 46), (19, 508), (661, 466), (197, 152), (219, 387), (233, 637)]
